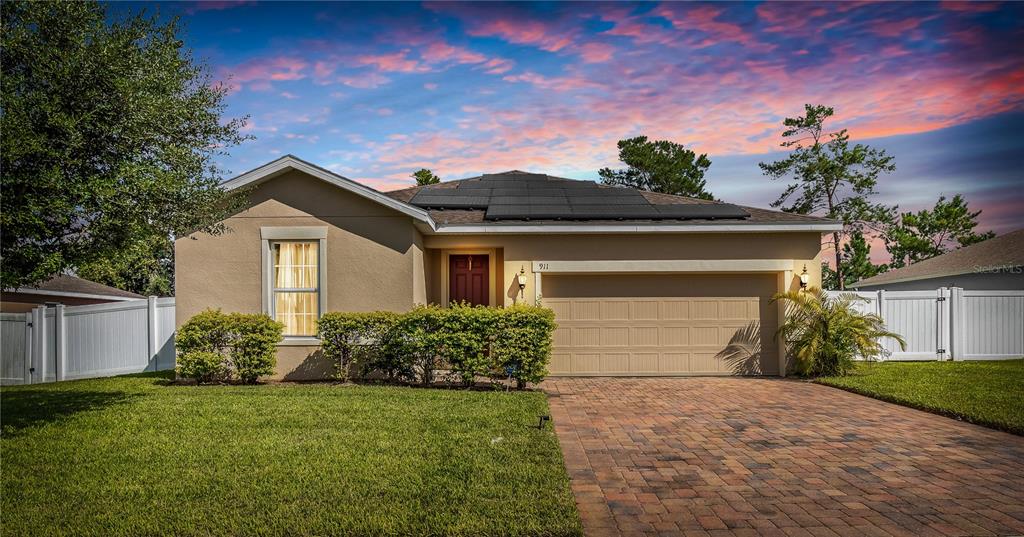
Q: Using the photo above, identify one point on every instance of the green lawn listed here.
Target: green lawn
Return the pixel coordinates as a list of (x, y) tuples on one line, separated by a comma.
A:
[(986, 392), (135, 456)]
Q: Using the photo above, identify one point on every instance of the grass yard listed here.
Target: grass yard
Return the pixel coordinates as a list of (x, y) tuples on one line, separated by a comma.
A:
[(134, 456), (988, 393)]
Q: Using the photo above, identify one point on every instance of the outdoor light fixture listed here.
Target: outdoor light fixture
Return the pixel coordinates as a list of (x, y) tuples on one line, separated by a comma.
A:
[(804, 278), (521, 280)]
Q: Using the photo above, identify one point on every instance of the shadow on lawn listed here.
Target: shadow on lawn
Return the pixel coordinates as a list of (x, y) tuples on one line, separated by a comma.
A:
[(29, 408)]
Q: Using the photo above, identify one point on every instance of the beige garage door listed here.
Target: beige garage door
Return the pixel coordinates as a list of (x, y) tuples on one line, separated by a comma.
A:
[(663, 335)]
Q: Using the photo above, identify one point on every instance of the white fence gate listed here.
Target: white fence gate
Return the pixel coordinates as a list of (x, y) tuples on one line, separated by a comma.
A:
[(98, 340), (949, 322)]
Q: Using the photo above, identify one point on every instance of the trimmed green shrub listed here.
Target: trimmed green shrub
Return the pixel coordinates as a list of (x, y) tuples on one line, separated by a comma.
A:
[(418, 336), (469, 341), (246, 342), (254, 339), (208, 331), (357, 343), (464, 338), (522, 342), (204, 366)]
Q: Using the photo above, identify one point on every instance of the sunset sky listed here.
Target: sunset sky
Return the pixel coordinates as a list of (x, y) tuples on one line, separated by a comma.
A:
[(376, 91)]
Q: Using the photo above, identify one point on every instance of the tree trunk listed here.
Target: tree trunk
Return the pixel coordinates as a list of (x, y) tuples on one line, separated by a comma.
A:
[(839, 268)]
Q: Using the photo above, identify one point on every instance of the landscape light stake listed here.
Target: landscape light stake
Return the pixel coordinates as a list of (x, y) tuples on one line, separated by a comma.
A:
[(543, 419)]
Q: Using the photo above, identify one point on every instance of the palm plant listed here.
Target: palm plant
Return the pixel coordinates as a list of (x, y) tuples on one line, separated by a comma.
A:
[(825, 335)]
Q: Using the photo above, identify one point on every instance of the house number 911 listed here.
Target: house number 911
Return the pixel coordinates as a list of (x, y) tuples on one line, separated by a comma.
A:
[(542, 266)]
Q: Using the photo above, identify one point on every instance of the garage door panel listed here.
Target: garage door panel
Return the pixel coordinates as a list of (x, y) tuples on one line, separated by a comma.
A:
[(586, 364), (675, 336), (586, 311), (562, 308), (674, 361), (662, 336), (643, 362), (643, 336), (615, 363), (562, 337), (705, 310), (615, 337), (615, 310), (586, 337), (676, 310), (704, 335), (645, 310)]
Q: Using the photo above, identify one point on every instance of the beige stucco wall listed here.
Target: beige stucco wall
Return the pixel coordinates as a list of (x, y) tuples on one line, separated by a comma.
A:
[(373, 258), (520, 251)]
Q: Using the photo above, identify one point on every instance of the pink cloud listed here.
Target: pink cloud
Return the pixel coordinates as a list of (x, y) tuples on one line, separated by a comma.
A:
[(976, 7), (258, 73), (439, 52), (393, 62), (552, 83), (497, 66), (596, 52), (364, 81)]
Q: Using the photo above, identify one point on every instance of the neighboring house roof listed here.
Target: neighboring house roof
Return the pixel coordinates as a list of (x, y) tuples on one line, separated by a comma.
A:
[(1004, 251), (660, 212), (73, 286)]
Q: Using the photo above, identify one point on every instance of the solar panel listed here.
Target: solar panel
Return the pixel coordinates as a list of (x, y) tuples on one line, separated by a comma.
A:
[(539, 197)]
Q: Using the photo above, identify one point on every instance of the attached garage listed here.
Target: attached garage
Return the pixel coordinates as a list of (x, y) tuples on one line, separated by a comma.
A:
[(663, 324)]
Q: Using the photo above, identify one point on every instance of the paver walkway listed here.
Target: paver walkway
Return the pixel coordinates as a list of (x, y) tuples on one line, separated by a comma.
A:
[(734, 456)]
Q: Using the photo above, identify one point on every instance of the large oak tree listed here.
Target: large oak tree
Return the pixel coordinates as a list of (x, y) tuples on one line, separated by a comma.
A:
[(109, 128)]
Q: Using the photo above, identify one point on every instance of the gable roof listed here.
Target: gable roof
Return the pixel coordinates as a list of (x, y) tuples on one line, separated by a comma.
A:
[(288, 163), (434, 219), (73, 286), (709, 216), (1004, 251)]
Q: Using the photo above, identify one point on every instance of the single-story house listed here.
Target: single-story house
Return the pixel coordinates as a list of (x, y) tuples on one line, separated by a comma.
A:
[(63, 289), (993, 265), (641, 283)]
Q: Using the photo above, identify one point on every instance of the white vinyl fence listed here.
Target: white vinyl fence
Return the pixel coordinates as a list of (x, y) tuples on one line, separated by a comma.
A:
[(98, 340), (949, 322)]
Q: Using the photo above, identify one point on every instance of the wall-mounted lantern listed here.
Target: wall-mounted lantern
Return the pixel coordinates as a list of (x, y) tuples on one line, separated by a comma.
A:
[(521, 280), (804, 279)]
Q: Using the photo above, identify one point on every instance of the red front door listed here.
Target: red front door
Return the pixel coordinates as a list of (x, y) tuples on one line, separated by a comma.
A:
[(468, 279)]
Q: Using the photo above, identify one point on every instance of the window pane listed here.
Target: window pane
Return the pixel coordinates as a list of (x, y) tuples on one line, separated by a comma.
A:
[(297, 311), (295, 265)]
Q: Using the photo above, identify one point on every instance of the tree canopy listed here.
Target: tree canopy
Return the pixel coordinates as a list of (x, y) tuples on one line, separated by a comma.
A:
[(424, 176), (109, 134), (659, 166), (855, 262), (928, 233), (830, 178)]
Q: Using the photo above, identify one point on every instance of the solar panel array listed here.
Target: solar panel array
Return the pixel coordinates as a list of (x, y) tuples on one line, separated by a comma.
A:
[(539, 197)]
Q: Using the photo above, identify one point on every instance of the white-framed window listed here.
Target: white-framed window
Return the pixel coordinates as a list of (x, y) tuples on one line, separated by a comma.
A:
[(293, 278), (296, 286)]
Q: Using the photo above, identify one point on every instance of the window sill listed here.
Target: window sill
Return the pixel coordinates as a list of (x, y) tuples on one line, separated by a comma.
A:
[(299, 341)]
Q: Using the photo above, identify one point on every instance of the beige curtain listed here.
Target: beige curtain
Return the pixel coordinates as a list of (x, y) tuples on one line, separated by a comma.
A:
[(295, 267)]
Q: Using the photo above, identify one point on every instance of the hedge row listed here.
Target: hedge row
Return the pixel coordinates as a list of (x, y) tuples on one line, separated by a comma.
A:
[(512, 342), (214, 346)]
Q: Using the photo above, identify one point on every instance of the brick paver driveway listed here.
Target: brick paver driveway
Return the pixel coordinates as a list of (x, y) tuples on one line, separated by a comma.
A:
[(731, 456)]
